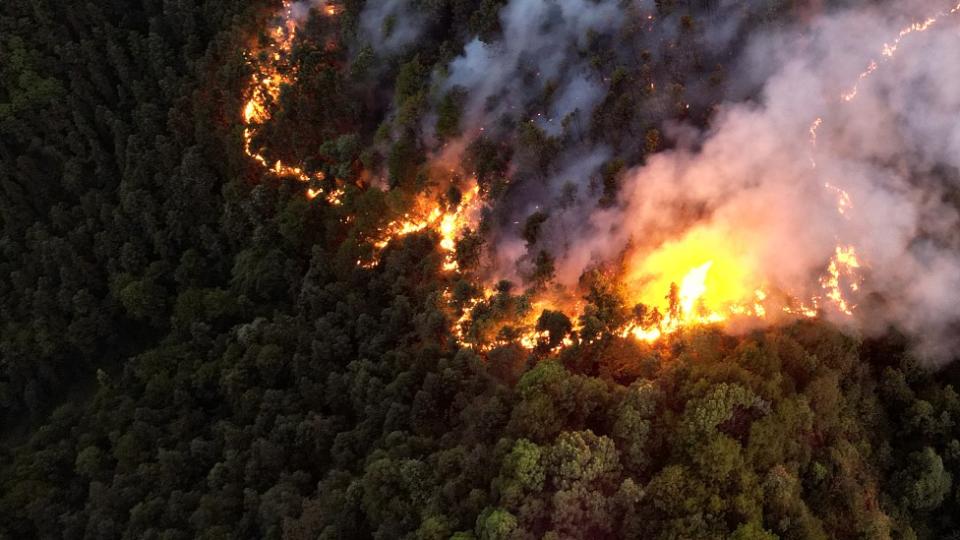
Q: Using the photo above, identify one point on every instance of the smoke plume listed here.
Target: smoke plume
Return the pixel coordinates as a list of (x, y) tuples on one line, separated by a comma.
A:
[(390, 25), (540, 46), (756, 179), (838, 135)]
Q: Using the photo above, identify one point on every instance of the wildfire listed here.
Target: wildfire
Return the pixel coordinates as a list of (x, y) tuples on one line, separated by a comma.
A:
[(712, 271), (844, 204), (842, 270), (467, 315), (890, 49), (855, 89), (453, 223), (725, 285), (843, 266), (428, 214), (523, 326), (272, 70), (716, 281), (702, 278), (685, 306), (693, 286), (813, 140)]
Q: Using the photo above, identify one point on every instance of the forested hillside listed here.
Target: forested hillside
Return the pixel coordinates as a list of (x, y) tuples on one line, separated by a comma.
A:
[(191, 347)]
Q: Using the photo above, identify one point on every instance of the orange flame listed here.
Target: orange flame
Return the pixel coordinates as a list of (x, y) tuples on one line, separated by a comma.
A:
[(844, 204), (890, 49), (429, 215), (843, 265), (717, 280), (269, 77)]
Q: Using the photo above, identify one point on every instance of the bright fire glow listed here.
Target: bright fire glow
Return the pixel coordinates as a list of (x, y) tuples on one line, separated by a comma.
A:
[(703, 277), (717, 282), (712, 272), (843, 266), (890, 49), (428, 214), (712, 280), (693, 286), (272, 70)]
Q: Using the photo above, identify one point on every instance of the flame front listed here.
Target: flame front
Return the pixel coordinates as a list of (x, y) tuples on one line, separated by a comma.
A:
[(705, 276), (890, 49), (701, 279), (273, 69), (712, 271), (843, 266), (693, 286), (428, 214)]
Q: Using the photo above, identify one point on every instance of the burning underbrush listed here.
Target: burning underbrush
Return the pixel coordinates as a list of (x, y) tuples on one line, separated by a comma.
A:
[(677, 287), (734, 265)]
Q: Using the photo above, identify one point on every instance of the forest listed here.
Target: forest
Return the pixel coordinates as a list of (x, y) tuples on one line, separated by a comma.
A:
[(205, 333)]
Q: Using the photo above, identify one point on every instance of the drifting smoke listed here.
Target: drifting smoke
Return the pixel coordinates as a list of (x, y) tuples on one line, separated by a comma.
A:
[(748, 184), (540, 46), (537, 71), (391, 25), (299, 12), (827, 182)]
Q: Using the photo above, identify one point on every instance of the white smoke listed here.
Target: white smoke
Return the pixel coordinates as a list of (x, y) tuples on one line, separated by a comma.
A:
[(541, 44), (895, 149), (390, 26), (300, 11)]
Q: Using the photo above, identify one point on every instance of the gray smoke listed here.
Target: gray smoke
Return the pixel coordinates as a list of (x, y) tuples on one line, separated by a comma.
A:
[(390, 26), (300, 11), (538, 70), (541, 44), (895, 149)]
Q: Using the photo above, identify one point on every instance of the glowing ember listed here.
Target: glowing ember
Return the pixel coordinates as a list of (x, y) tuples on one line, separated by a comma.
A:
[(429, 215), (890, 49), (272, 70), (843, 265), (693, 286), (852, 93), (713, 273), (813, 140), (843, 198)]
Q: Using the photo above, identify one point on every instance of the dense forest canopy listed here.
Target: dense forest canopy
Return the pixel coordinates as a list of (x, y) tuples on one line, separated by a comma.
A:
[(382, 269)]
